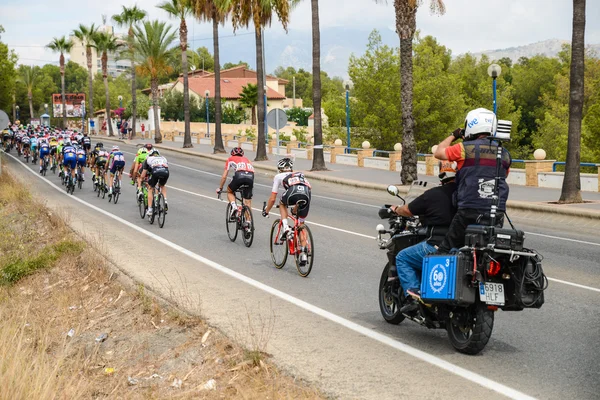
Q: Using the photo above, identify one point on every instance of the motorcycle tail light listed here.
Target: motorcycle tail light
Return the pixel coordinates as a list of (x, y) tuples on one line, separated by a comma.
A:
[(493, 268)]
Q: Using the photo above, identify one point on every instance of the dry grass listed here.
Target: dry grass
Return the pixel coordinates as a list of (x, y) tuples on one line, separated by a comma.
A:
[(53, 283)]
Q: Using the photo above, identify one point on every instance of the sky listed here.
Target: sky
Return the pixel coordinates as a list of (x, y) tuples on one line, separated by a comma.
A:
[(467, 26)]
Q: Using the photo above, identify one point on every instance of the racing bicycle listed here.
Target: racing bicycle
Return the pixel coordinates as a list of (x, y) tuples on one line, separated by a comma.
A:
[(159, 209), (241, 221), (281, 246)]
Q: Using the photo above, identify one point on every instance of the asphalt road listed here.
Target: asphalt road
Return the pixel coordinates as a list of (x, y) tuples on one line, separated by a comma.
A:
[(553, 352)]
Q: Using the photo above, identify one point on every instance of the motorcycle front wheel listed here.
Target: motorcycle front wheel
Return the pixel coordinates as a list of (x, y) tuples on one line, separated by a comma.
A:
[(470, 333), (390, 298)]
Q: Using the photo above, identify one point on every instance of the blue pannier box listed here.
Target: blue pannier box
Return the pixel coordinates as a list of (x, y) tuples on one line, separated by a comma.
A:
[(444, 279)]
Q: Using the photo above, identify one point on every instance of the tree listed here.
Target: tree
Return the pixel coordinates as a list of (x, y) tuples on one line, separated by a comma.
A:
[(318, 158), (571, 188), (249, 99), (8, 61), (153, 51), (201, 58), (182, 9), (260, 14), (406, 24), (217, 12), (129, 17), (28, 75), (105, 43), (86, 34), (229, 65), (62, 45), (298, 115)]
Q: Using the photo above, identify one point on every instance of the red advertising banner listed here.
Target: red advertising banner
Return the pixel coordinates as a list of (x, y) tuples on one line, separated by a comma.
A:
[(73, 103)]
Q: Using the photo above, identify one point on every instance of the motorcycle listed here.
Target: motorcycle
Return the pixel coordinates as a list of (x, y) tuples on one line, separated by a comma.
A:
[(460, 292)]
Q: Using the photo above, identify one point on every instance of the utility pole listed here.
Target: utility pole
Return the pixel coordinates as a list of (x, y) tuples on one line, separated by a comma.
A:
[(294, 90)]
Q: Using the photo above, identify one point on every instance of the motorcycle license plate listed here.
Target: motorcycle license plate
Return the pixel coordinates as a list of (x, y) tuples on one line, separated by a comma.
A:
[(491, 293)]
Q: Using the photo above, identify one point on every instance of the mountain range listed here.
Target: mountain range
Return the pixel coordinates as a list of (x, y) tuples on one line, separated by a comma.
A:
[(337, 44)]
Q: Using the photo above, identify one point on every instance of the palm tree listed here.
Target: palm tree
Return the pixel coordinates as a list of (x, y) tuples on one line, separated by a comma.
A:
[(153, 54), (86, 36), (62, 45), (318, 158), (182, 9), (406, 23), (105, 43), (260, 14), (215, 11), (571, 188), (27, 76), (129, 17), (249, 99)]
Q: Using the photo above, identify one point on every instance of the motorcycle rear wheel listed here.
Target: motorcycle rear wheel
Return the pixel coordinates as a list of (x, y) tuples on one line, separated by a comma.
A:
[(390, 298), (472, 337)]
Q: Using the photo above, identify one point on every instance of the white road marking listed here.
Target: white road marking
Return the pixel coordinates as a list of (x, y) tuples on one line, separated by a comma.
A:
[(593, 289), (362, 330), (374, 206)]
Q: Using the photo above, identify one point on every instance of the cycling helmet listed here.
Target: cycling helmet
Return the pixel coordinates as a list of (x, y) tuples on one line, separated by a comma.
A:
[(285, 164), (480, 121), (447, 171), (154, 152), (237, 151), (143, 151), (115, 148), (148, 146), (100, 145), (67, 142)]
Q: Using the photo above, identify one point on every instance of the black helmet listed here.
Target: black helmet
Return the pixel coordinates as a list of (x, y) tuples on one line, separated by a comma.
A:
[(237, 151)]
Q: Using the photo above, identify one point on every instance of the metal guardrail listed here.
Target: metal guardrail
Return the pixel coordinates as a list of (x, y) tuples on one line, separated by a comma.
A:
[(583, 164)]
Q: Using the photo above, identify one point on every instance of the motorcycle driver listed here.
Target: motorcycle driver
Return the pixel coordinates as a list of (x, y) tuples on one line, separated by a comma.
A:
[(436, 210), (476, 161)]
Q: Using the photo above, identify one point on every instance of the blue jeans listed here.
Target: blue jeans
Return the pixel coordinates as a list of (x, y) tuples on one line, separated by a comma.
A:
[(409, 261)]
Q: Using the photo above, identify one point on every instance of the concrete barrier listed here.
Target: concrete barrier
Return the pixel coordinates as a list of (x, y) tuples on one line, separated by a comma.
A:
[(533, 167), (554, 180), (347, 159), (377, 163)]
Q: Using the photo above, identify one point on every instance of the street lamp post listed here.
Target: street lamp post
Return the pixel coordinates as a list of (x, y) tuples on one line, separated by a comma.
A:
[(494, 71), (83, 116), (266, 126), (120, 101), (18, 114), (348, 118), (46, 112), (207, 93)]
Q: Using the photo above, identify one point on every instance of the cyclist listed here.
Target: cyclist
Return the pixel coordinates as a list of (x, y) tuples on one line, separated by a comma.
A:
[(116, 162), (33, 140), (100, 161), (86, 142), (296, 194), (243, 176), (81, 160), (5, 138), (69, 157), (99, 146), (53, 147), (157, 167), (25, 144), (59, 153), (139, 159), (44, 151)]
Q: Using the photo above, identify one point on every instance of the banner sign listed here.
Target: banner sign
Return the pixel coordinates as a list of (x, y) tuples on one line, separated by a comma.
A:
[(72, 103)]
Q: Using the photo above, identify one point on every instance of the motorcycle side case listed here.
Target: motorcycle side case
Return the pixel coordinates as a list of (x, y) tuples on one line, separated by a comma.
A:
[(400, 242), (444, 279)]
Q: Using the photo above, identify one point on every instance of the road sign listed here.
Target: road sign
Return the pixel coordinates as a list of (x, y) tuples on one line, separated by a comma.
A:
[(3, 120), (277, 118)]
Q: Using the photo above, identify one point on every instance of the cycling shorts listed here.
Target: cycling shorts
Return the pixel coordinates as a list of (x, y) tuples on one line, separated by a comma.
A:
[(297, 194), (25, 145), (52, 150), (70, 161), (44, 151), (81, 161), (161, 177), (101, 162), (117, 166), (245, 181)]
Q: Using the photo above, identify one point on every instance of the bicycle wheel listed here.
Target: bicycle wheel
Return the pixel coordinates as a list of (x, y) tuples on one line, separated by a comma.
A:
[(79, 180), (142, 207), (304, 268), (103, 188), (232, 226), (154, 203), (279, 250), (247, 231), (161, 210)]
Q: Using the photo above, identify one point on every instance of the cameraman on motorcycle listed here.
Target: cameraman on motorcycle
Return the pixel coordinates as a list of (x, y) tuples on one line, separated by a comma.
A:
[(476, 162), (436, 210)]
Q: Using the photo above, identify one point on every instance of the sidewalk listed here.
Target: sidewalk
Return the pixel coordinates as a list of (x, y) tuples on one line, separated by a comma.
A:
[(538, 198)]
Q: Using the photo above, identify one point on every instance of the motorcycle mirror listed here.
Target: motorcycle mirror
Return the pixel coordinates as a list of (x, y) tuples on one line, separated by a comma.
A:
[(393, 190)]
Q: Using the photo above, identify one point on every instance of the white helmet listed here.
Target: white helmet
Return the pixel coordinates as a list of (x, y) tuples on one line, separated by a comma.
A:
[(480, 121)]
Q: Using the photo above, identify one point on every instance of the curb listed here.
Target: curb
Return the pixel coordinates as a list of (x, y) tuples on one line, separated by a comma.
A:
[(511, 204)]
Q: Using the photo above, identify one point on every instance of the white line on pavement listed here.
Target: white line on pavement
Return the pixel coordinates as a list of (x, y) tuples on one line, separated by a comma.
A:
[(421, 355), (593, 289), (562, 238)]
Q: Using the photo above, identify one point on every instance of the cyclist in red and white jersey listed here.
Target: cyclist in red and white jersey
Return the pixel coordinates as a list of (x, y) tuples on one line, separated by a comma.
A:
[(243, 176)]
